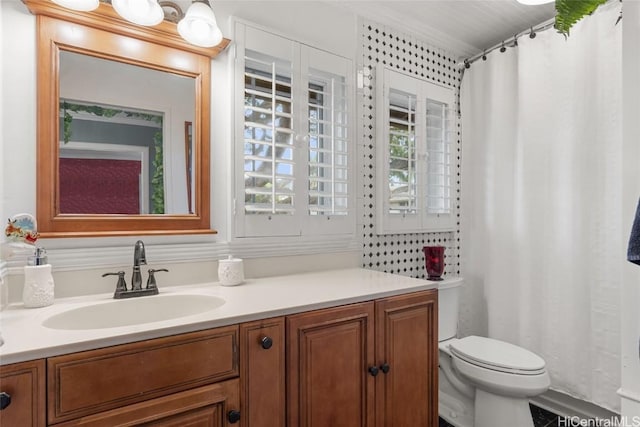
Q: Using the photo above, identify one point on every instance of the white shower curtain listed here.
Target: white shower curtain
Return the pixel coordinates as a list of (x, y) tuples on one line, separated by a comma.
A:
[(541, 197)]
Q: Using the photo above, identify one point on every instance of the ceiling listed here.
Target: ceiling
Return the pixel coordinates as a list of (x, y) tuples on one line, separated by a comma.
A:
[(464, 27)]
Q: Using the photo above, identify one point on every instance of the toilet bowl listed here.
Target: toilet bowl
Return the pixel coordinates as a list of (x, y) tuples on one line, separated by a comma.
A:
[(483, 382)]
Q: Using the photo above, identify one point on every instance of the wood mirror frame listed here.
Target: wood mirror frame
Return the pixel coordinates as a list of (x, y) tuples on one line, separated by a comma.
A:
[(103, 34)]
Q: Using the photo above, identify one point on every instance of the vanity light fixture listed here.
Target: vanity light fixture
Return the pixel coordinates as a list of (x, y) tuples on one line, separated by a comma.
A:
[(141, 12), (199, 26), (81, 5)]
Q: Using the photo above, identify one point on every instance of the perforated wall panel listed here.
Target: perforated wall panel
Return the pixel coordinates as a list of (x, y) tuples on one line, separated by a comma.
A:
[(400, 254)]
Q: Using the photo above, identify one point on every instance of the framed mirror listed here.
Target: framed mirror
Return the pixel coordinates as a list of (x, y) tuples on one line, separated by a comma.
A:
[(123, 126)]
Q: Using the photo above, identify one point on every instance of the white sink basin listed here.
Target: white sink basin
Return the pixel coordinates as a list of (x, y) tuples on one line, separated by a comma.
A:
[(133, 311)]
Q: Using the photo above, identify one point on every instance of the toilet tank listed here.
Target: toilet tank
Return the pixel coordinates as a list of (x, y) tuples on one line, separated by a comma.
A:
[(448, 304)]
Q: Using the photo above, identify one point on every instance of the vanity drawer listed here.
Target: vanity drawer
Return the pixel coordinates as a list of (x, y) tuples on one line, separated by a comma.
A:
[(89, 382)]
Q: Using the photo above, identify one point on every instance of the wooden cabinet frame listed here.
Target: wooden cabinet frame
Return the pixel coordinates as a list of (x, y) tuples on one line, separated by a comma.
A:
[(25, 383)]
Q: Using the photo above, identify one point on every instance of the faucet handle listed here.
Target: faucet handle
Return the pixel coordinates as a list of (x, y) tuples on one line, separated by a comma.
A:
[(121, 286), (151, 281)]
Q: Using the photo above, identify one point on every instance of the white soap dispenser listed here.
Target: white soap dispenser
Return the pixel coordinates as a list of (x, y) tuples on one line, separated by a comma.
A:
[(38, 281)]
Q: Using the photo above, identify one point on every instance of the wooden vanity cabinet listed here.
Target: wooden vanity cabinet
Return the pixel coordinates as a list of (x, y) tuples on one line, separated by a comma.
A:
[(95, 385), (24, 385), (262, 373), (370, 364)]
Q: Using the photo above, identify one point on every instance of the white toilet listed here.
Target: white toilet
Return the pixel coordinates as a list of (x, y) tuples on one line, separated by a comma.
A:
[(483, 382)]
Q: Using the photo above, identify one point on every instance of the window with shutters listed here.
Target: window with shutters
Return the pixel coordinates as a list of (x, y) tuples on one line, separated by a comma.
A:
[(328, 144), (294, 133), (268, 136), (414, 136)]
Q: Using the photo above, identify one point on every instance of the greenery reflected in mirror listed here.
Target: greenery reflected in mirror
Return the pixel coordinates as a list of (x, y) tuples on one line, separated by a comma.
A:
[(188, 154)]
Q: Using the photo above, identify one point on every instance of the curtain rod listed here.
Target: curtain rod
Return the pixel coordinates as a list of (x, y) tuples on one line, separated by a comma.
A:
[(513, 41), (510, 42)]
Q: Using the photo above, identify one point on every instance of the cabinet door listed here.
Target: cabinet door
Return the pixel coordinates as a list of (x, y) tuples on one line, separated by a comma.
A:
[(329, 353), (207, 406), (262, 373), (23, 384), (407, 354)]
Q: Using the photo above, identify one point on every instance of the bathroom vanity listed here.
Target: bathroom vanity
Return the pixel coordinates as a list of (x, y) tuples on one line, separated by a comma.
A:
[(344, 347)]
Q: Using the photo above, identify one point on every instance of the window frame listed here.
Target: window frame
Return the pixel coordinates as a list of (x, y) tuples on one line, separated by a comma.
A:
[(419, 220), (302, 58)]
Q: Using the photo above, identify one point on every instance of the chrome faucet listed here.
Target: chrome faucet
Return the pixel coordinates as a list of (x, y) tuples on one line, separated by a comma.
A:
[(139, 258)]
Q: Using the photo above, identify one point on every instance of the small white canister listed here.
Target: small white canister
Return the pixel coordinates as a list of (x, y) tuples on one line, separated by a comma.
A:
[(230, 271)]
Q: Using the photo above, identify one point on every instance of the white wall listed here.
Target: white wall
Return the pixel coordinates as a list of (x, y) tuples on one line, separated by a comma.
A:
[(18, 110), (630, 327), (4, 286), (316, 23)]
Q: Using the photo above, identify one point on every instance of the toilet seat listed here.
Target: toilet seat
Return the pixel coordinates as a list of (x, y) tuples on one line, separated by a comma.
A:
[(497, 356)]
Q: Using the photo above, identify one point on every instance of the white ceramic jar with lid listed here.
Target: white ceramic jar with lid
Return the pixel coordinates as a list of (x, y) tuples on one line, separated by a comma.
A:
[(230, 271)]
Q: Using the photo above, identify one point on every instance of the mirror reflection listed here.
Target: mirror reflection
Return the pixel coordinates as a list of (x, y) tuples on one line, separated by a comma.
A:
[(124, 146)]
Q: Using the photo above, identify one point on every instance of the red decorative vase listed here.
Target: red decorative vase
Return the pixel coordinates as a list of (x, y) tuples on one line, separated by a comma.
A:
[(434, 261)]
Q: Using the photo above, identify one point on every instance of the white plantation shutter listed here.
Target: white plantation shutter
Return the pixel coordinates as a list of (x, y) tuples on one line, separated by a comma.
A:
[(439, 121), (329, 142), (269, 182), (414, 154), (292, 139), (439, 158)]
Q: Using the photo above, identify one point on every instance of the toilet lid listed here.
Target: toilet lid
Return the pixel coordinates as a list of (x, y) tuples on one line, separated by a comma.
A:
[(497, 355)]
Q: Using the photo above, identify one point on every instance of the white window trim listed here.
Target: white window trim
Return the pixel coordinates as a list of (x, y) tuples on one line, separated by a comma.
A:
[(312, 229), (421, 221)]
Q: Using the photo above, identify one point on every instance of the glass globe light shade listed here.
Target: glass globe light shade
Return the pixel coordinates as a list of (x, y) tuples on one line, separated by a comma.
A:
[(141, 12), (199, 26)]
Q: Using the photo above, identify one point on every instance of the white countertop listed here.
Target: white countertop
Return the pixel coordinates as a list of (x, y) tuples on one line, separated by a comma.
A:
[(25, 338)]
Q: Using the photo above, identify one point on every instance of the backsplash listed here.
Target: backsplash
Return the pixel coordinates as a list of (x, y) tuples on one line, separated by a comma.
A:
[(402, 253)]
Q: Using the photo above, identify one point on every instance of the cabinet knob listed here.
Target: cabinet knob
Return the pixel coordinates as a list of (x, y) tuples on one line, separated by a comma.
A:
[(266, 342), (385, 367), (5, 400), (373, 371), (233, 416)]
